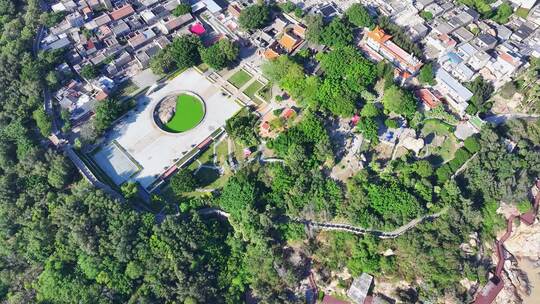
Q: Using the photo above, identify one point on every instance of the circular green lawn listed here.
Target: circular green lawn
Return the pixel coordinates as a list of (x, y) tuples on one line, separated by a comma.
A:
[(189, 113)]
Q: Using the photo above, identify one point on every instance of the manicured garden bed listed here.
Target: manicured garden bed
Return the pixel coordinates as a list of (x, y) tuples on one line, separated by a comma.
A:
[(252, 89), (189, 112), (239, 78)]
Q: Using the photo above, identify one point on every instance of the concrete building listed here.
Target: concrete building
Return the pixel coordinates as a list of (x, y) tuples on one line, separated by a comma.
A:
[(454, 92), (381, 43)]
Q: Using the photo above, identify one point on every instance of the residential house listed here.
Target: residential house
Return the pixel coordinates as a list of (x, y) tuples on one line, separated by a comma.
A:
[(234, 9), (485, 42), (427, 97), (438, 43), (75, 19), (463, 35), (122, 12), (503, 32), (61, 42), (454, 92), (421, 4), (418, 31), (523, 32), (360, 288), (138, 39), (120, 29), (382, 44), (456, 66), (169, 24), (149, 17), (506, 62)]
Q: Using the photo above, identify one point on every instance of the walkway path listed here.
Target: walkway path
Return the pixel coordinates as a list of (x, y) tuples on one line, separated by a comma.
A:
[(361, 230), (488, 294), (345, 227)]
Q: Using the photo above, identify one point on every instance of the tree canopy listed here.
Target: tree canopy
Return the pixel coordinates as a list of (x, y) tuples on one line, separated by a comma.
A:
[(399, 101), (359, 16), (219, 55), (254, 17)]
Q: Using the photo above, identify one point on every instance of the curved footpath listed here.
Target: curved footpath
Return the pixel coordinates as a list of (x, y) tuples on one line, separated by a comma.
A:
[(329, 226)]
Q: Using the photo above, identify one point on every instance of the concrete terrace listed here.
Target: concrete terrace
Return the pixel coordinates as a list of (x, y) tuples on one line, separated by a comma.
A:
[(152, 148)]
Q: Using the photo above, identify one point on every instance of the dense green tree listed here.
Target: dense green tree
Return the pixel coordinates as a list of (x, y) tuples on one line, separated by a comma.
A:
[(337, 33), (185, 51), (241, 127), (370, 110), (254, 17), (219, 55), (482, 91), (61, 171), (369, 129), (504, 11), (181, 9), (130, 189), (43, 122), (359, 16), (183, 181), (399, 101), (89, 71), (107, 111), (163, 62), (426, 75), (315, 26)]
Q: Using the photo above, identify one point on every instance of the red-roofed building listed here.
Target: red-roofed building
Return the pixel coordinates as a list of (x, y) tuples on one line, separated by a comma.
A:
[(428, 98), (101, 95), (122, 12), (381, 43), (288, 113)]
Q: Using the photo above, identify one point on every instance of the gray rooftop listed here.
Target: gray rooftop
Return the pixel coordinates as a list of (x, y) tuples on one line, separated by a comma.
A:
[(453, 84), (360, 288)]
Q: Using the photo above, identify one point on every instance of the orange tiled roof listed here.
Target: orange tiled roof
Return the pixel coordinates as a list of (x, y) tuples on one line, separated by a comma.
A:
[(300, 30), (379, 35), (269, 53), (122, 12), (427, 97), (289, 42)]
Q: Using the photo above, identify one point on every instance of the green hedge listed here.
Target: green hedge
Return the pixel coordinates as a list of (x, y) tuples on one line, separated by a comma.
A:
[(472, 144)]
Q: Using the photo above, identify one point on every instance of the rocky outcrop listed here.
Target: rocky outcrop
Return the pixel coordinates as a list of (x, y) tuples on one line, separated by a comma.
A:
[(166, 110), (525, 242)]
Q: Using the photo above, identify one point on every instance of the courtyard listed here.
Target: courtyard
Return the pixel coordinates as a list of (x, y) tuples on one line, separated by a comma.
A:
[(138, 150)]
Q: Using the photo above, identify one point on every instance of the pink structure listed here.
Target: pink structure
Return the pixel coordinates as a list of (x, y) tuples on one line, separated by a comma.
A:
[(197, 29)]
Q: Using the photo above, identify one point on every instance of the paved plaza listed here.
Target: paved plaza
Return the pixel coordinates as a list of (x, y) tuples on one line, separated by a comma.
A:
[(137, 138)]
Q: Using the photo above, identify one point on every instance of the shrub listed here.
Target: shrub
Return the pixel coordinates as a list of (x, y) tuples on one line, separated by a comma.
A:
[(524, 206), (443, 174), (472, 144)]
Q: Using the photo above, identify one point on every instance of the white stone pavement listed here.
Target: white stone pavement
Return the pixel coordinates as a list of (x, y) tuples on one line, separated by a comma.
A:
[(155, 150)]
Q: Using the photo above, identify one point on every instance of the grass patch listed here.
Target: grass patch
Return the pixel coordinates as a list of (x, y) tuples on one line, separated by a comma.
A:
[(448, 148), (437, 126), (189, 112), (239, 79), (522, 12), (253, 88)]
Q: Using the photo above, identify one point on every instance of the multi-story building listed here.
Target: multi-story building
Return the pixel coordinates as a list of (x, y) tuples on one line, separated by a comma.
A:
[(381, 43)]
